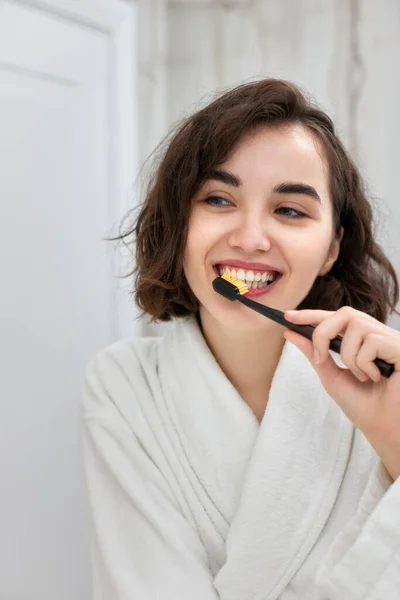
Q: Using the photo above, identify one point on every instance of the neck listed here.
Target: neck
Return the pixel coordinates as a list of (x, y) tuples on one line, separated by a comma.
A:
[(248, 358)]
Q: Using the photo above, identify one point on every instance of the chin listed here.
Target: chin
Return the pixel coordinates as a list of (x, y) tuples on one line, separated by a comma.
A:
[(235, 316)]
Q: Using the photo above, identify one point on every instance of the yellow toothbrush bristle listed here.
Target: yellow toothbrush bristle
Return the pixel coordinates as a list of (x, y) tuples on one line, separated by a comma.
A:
[(242, 287)]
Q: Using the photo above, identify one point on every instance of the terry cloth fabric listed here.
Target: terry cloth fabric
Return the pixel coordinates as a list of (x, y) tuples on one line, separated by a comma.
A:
[(191, 498)]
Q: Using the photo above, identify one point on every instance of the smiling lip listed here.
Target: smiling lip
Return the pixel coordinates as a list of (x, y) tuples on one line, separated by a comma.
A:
[(247, 266), (255, 291)]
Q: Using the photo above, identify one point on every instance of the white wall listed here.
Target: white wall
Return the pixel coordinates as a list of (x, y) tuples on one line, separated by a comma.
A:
[(152, 74), (344, 52), (68, 162)]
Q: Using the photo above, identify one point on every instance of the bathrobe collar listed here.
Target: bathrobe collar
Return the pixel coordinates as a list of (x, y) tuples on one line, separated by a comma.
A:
[(274, 483)]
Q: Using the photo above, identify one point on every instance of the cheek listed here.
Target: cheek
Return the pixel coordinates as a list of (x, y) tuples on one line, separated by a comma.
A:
[(192, 245), (195, 249), (200, 239), (307, 254), (193, 261)]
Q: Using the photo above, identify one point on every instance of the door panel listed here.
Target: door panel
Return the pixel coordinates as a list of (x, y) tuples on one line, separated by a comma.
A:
[(57, 294)]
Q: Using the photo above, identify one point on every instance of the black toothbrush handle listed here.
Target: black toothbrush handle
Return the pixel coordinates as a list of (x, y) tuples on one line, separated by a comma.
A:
[(385, 368), (307, 331)]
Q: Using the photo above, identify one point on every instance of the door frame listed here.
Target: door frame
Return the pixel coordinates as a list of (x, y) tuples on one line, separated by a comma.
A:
[(118, 20)]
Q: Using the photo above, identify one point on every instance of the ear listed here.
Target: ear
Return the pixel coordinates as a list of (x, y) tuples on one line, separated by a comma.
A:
[(333, 254)]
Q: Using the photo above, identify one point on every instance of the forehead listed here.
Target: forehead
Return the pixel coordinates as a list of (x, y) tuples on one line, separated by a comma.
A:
[(272, 154)]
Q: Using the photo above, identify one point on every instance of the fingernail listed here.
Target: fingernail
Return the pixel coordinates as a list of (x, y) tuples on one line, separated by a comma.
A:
[(317, 356), (360, 376)]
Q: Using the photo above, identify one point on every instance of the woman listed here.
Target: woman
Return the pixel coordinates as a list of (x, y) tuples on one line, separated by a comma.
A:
[(221, 461)]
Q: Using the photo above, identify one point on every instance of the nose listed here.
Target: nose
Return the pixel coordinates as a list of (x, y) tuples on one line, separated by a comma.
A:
[(250, 234)]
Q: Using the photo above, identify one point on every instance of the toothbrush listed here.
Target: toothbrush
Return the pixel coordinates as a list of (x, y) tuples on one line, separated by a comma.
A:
[(233, 289)]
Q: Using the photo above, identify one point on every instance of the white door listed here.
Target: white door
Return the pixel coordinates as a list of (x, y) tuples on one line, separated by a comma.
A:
[(61, 151)]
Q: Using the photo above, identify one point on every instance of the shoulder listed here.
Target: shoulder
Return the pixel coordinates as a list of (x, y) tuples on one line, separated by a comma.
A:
[(129, 380), (118, 356), (119, 374)]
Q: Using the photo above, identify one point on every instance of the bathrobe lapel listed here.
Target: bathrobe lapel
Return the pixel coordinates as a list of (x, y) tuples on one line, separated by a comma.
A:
[(291, 483), (216, 428), (274, 484)]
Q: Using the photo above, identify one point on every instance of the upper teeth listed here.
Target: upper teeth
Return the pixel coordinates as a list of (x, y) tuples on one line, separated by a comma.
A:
[(247, 275)]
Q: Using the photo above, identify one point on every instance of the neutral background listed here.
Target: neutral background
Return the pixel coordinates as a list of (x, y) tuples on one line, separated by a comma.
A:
[(67, 160), (88, 89)]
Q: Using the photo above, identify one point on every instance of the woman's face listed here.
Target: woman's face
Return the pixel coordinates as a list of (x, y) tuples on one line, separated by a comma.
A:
[(268, 204)]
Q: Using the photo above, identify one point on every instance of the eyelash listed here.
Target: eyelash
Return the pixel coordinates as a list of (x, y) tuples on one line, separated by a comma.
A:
[(299, 215)]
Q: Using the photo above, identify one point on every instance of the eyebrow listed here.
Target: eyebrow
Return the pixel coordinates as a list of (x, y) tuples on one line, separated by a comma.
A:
[(288, 187)]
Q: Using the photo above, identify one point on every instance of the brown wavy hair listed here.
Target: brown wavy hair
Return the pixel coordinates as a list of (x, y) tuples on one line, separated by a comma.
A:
[(361, 277)]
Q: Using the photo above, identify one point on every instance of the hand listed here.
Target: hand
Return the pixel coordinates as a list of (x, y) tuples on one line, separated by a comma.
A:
[(370, 401)]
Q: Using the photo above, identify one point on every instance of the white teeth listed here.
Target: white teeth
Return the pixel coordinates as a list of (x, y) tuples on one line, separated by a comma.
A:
[(252, 278)]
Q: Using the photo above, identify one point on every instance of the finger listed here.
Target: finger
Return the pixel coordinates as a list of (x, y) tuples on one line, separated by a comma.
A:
[(376, 345), (340, 383), (350, 346), (317, 317), (337, 324), (307, 316)]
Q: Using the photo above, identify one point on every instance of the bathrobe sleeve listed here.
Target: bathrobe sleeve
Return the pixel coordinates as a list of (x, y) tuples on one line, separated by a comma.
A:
[(141, 544), (363, 563)]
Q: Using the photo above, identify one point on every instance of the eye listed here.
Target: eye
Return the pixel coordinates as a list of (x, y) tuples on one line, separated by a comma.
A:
[(215, 201), (298, 215), (220, 201)]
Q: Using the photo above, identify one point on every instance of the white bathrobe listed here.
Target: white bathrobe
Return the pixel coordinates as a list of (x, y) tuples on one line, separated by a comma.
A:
[(191, 498)]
